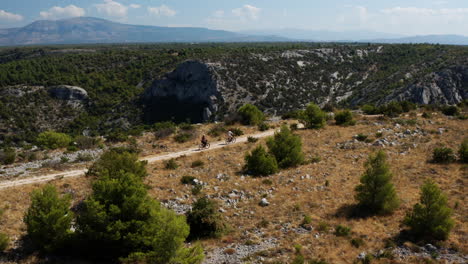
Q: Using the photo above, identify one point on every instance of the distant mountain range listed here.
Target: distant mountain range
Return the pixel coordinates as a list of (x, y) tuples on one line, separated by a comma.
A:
[(87, 30)]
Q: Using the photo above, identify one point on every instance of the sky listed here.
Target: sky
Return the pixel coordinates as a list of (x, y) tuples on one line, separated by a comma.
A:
[(405, 17)]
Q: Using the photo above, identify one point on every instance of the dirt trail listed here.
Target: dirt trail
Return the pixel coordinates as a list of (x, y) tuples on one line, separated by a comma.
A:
[(150, 159)]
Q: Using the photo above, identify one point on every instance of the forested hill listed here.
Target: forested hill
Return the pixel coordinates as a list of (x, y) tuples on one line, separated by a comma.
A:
[(109, 81)]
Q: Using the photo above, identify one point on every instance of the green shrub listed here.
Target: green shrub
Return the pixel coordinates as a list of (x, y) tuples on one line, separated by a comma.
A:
[(426, 115), (286, 148), (443, 155), (463, 151), (341, 230), (263, 126), (164, 129), (53, 140), (307, 220), (4, 241), (392, 109), (48, 219), (407, 106), (171, 164), (186, 126), (314, 117), (8, 156), (116, 136), (323, 226), (120, 220), (237, 132), (205, 220), (451, 110), (188, 180), (252, 139), (117, 160), (260, 163), (250, 115), (196, 189), (197, 163), (370, 109), (84, 157), (345, 118), (329, 108), (183, 137), (217, 131), (357, 242), (361, 137), (83, 142), (72, 148), (431, 217), (376, 193), (297, 114)]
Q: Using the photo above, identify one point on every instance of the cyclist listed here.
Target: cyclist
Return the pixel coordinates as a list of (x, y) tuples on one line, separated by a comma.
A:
[(204, 141), (230, 136)]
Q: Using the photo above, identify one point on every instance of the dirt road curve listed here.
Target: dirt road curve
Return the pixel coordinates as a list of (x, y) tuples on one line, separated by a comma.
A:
[(150, 159)]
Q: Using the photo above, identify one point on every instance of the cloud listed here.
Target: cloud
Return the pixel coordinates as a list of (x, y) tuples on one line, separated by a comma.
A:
[(58, 12), (218, 13), (134, 6), (112, 8), (247, 12), (162, 10), (9, 17)]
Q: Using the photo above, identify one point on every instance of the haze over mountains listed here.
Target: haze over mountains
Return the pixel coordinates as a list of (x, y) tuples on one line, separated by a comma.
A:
[(87, 30)]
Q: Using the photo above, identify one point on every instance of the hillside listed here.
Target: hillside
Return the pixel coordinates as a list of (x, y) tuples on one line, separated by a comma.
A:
[(83, 30), (322, 189), (130, 86)]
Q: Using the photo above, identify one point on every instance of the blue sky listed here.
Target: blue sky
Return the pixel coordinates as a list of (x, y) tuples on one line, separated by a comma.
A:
[(407, 17)]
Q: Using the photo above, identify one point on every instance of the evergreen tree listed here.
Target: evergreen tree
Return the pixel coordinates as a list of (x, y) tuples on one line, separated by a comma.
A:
[(251, 115), (376, 192), (260, 163), (204, 219), (114, 161), (48, 219), (286, 147), (463, 151), (314, 117), (431, 217)]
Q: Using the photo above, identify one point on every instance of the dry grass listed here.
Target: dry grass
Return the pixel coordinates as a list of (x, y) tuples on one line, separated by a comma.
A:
[(291, 200)]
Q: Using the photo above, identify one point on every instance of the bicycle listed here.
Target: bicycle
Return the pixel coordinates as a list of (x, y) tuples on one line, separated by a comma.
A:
[(204, 146), (230, 140)]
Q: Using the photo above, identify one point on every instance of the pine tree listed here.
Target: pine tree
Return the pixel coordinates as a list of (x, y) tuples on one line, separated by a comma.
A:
[(48, 219), (314, 117), (205, 220), (376, 192), (260, 163), (431, 217), (286, 147)]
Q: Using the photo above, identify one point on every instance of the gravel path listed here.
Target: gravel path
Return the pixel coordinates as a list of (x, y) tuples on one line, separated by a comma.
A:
[(150, 159)]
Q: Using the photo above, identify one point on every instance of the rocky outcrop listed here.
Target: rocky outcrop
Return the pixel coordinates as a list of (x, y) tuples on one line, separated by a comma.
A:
[(67, 92), (189, 92), (449, 86)]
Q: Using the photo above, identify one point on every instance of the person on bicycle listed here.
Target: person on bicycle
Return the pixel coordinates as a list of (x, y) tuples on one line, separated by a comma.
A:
[(204, 141), (230, 136)]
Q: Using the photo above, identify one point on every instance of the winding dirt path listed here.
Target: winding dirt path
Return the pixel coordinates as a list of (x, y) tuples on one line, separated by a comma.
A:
[(150, 159)]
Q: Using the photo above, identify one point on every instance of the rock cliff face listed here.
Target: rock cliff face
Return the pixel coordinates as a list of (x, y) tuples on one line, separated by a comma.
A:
[(278, 82), (67, 92)]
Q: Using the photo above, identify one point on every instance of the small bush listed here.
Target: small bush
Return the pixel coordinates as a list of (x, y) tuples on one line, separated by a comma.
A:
[(217, 131), (323, 226), (370, 109), (463, 151), (84, 157), (205, 220), (267, 182), (83, 142), (252, 139), (294, 127), (307, 220), (164, 129), (314, 117), (171, 164), (392, 109), (196, 189), (197, 163), (443, 155), (451, 110), (260, 163), (72, 148), (183, 137), (328, 107), (361, 137), (115, 161), (237, 132), (341, 230), (286, 147), (357, 242), (431, 217), (297, 114), (186, 126), (117, 136), (251, 115), (345, 118), (263, 126), (7, 156), (53, 140), (426, 115), (4, 241), (188, 180)]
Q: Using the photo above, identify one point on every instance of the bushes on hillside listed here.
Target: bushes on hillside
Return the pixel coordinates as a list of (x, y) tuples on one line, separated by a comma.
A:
[(251, 115), (370, 109), (314, 117), (115, 161), (48, 219), (344, 118), (4, 241), (164, 129), (376, 193), (450, 110), (286, 148), (205, 220), (392, 109), (443, 155), (7, 156), (431, 217), (53, 140), (463, 151), (260, 163)]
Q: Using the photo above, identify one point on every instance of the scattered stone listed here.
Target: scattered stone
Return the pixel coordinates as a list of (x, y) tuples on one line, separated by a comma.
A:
[(264, 202)]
